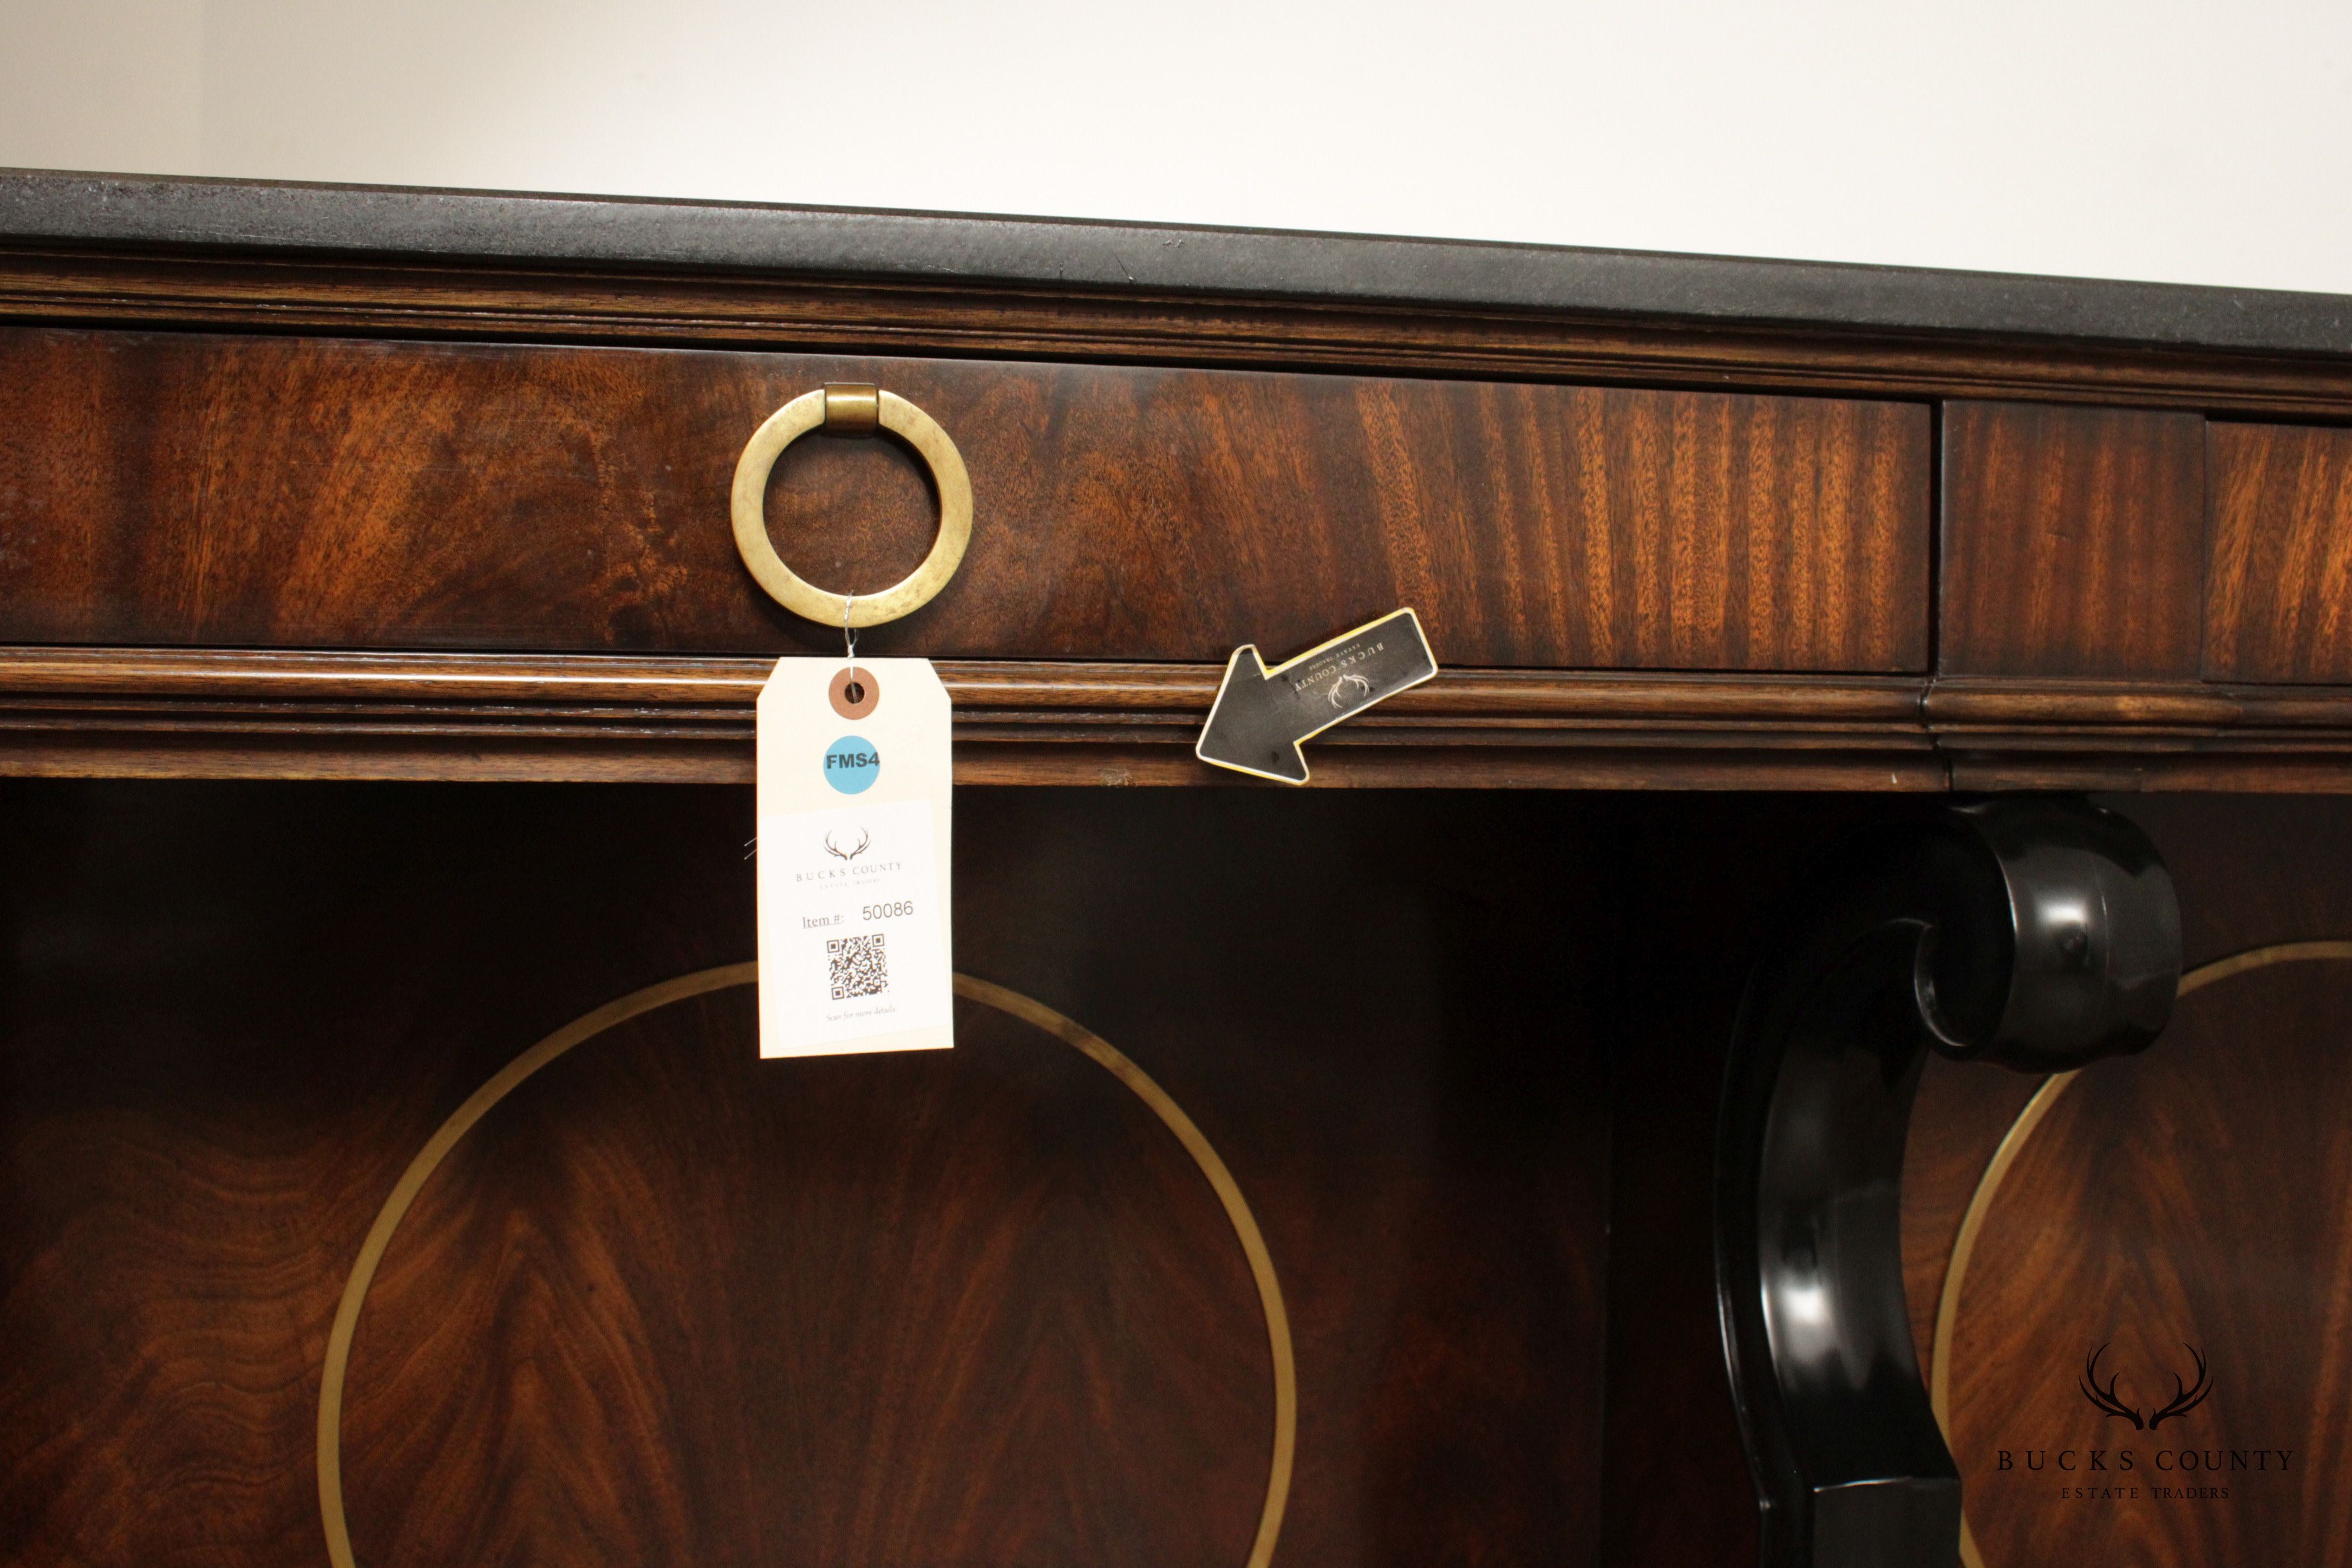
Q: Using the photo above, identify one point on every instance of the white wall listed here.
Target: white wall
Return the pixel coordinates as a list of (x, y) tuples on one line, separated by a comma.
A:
[(2201, 144)]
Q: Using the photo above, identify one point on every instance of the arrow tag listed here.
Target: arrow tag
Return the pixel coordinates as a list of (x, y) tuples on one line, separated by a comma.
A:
[(1261, 715), (854, 791)]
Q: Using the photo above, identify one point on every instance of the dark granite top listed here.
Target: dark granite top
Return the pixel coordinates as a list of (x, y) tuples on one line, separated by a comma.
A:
[(114, 210)]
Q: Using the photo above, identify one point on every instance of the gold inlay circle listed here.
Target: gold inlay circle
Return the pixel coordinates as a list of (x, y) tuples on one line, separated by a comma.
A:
[(2012, 1144), (858, 409), (702, 983)]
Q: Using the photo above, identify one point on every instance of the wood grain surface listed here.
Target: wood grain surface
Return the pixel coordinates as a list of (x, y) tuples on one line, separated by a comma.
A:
[(2280, 603), (672, 1304), (360, 296), (2194, 1195), (649, 1263), (2194, 1200), (2073, 541), (208, 491)]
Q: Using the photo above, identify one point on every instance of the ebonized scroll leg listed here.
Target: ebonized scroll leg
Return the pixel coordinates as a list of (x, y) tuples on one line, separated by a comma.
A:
[(2041, 934)]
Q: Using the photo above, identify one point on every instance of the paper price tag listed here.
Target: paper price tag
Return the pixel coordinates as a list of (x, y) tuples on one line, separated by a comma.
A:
[(853, 854)]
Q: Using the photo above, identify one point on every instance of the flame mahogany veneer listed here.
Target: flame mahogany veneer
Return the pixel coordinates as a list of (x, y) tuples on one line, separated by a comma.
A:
[(2087, 523), (306, 484)]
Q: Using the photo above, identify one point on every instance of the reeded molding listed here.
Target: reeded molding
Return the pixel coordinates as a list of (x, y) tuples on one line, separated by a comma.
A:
[(234, 713), (313, 714)]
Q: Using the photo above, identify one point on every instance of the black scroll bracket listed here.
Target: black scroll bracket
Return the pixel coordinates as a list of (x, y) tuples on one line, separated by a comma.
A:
[(2039, 933)]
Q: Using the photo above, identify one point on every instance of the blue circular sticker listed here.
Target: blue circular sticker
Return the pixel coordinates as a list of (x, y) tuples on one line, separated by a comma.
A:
[(852, 764)]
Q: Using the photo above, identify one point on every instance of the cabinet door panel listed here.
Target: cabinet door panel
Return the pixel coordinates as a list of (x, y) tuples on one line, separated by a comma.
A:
[(669, 1303), (2178, 1215)]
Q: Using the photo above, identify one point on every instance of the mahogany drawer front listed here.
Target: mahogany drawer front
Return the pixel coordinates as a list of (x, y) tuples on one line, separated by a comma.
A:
[(2074, 540), (2141, 544), (199, 489), (2279, 591)]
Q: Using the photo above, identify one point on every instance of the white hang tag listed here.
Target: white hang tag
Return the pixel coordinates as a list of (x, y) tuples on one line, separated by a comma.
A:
[(853, 821)]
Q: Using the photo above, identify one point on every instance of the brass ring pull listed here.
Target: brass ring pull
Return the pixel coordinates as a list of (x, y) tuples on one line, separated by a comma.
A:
[(851, 409)]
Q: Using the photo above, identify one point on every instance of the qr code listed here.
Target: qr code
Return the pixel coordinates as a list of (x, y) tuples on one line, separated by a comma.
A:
[(858, 967)]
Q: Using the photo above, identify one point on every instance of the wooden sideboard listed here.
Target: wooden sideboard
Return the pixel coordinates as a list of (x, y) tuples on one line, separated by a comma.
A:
[(376, 683)]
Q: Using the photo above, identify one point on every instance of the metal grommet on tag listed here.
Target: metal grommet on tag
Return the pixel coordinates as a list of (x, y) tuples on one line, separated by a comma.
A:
[(854, 692)]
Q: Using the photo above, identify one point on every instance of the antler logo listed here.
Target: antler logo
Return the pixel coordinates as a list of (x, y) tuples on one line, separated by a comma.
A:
[(833, 846), (1347, 686), (2185, 1397)]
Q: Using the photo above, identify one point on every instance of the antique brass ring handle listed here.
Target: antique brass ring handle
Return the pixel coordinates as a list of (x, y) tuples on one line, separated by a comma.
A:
[(851, 409)]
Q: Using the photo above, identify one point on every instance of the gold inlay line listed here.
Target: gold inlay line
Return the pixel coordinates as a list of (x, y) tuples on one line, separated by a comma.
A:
[(701, 982), (2012, 1144)]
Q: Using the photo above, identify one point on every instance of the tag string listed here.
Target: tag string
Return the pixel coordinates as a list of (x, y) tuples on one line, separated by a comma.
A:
[(848, 633)]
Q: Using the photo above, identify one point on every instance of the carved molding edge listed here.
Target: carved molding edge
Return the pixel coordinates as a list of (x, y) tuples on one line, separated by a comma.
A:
[(346, 714)]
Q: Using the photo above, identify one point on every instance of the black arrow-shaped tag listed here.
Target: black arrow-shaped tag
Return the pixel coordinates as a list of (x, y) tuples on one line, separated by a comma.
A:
[(1262, 714)]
